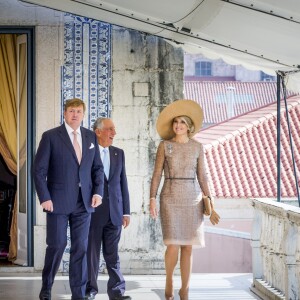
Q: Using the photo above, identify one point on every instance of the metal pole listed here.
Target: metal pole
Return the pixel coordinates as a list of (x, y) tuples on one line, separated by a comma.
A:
[(278, 140), (291, 140)]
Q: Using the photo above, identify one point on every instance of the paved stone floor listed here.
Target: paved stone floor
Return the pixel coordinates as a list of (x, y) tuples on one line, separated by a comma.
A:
[(26, 286)]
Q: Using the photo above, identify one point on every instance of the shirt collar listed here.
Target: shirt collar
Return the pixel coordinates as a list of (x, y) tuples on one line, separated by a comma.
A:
[(70, 129), (101, 148)]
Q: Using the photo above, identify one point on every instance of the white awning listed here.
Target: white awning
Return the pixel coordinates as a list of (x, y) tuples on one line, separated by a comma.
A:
[(258, 34)]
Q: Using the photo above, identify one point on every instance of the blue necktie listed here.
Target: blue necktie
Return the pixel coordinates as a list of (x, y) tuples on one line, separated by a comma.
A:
[(106, 162)]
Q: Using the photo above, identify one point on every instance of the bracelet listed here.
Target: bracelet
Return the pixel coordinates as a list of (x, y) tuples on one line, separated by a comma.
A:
[(152, 198), (210, 198)]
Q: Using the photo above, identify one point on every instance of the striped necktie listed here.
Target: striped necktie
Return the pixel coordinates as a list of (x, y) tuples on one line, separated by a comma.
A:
[(77, 147)]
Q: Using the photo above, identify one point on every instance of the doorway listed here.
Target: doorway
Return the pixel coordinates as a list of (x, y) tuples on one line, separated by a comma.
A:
[(17, 138), (8, 186)]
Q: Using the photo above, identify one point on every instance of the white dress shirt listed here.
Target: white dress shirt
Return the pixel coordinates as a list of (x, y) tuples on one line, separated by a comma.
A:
[(101, 155)]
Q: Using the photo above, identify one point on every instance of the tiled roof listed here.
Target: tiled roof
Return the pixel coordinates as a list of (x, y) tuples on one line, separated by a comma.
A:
[(241, 153), (215, 97)]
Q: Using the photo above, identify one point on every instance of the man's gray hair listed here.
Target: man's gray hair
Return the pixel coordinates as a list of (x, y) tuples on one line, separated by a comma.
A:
[(99, 123)]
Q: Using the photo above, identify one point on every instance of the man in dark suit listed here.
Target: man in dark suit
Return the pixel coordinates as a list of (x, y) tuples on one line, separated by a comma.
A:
[(107, 220), (69, 181)]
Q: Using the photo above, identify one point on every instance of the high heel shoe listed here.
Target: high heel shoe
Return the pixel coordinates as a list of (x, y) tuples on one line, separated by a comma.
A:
[(169, 293), (183, 296)]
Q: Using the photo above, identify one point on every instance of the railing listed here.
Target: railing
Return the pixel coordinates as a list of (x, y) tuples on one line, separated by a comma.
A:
[(276, 250)]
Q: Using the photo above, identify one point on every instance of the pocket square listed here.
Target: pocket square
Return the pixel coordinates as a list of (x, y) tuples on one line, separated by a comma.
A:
[(92, 146)]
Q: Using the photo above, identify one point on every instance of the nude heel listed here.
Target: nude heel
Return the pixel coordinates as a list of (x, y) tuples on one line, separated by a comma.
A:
[(183, 296), (169, 291)]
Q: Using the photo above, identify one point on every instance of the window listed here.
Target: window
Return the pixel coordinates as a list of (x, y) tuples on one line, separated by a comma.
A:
[(203, 68), (266, 77)]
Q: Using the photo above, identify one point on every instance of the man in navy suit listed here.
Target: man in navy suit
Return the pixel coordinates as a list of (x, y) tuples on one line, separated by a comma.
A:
[(107, 220), (69, 181)]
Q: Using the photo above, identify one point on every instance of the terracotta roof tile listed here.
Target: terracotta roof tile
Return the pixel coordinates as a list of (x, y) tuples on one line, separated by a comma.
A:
[(241, 153), (214, 97)]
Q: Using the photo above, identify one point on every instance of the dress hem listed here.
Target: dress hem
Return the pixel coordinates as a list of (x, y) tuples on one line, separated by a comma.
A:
[(184, 243)]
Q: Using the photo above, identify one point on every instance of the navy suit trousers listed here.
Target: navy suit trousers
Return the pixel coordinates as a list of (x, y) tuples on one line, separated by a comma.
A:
[(57, 225), (106, 237)]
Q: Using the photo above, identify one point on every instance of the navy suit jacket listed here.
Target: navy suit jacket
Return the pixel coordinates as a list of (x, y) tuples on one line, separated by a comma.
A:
[(115, 202), (57, 173)]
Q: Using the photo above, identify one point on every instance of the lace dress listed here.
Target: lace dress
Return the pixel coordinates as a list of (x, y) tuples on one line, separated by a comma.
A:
[(181, 206)]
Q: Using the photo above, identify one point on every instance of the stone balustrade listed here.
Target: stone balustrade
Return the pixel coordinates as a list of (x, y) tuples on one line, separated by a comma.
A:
[(276, 250)]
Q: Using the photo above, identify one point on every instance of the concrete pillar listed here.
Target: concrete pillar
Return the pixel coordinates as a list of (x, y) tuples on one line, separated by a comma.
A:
[(257, 265), (291, 277), (276, 263)]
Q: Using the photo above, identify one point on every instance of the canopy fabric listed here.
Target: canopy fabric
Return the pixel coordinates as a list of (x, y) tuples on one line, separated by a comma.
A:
[(258, 34)]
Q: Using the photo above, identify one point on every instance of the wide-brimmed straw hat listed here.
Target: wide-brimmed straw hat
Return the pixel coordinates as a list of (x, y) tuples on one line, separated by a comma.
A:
[(164, 123)]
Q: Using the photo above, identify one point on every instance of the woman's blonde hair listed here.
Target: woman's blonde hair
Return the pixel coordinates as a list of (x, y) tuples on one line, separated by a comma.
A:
[(188, 122)]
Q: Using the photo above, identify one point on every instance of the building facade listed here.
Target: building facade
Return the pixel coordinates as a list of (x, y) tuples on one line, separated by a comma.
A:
[(120, 73), (200, 68)]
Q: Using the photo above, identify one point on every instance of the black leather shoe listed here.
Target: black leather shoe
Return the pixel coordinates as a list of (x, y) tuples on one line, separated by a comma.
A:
[(45, 295), (121, 297)]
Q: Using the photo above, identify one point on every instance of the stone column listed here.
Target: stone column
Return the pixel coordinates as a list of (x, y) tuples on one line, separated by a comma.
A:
[(49, 58)]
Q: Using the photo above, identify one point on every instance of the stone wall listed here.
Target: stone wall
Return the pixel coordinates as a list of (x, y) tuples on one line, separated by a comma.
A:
[(147, 74)]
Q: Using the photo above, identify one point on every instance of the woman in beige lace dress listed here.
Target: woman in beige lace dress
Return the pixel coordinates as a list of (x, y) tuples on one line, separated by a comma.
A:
[(185, 184)]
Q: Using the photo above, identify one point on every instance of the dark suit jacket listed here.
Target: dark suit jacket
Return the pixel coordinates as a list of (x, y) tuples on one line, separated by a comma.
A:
[(115, 202), (57, 172)]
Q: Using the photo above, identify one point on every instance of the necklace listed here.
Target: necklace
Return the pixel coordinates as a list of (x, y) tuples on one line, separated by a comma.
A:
[(181, 141)]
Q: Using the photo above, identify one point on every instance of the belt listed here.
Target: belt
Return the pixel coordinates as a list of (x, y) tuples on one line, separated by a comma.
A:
[(176, 178)]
